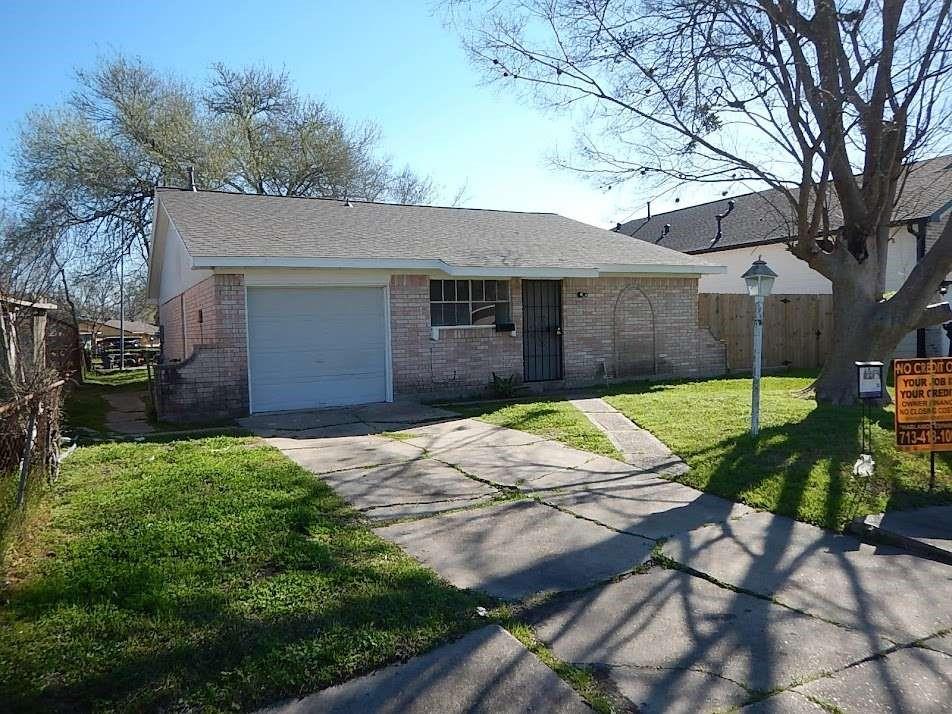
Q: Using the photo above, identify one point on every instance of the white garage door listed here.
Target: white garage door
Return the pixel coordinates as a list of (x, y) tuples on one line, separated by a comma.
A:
[(316, 347)]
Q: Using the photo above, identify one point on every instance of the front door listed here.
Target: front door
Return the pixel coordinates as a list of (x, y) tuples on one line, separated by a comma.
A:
[(542, 329)]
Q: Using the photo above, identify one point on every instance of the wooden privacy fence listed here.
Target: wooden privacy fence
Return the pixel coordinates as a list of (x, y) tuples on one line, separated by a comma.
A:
[(797, 328)]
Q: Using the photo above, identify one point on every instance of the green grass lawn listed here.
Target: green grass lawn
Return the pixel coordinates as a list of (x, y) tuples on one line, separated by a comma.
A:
[(84, 406), (557, 420), (202, 574), (801, 465)]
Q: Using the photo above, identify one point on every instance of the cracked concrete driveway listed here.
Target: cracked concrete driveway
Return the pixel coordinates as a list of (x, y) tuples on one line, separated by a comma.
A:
[(745, 610)]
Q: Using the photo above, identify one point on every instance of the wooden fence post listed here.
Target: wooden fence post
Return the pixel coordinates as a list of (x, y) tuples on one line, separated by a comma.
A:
[(27, 452)]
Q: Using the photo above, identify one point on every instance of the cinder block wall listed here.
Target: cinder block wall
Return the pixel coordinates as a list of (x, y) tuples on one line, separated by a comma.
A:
[(462, 360), (210, 378)]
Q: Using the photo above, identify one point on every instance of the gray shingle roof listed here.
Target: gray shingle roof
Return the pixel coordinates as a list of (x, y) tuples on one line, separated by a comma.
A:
[(764, 217), (136, 326), (240, 226)]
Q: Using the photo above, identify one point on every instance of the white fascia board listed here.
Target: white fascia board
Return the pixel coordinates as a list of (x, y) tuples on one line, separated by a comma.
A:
[(152, 281), (666, 269), (206, 262), (461, 271)]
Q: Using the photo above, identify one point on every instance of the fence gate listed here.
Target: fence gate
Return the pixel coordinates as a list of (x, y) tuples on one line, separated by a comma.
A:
[(797, 328)]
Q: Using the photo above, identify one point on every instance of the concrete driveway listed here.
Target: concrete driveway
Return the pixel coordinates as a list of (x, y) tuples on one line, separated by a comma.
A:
[(739, 609)]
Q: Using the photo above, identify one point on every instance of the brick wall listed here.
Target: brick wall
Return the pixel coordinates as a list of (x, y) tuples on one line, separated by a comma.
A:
[(210, 380), (173, 337), (623, 328), (462, 359), (635, 327)]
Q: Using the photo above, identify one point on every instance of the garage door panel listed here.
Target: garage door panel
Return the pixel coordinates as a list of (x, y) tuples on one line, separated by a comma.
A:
[(314, 347)]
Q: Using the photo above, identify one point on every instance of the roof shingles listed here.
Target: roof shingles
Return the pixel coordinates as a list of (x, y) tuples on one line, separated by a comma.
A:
[(235, 226), (765, 216)]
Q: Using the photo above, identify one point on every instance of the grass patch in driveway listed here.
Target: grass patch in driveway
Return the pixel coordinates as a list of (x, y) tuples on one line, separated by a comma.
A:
[(210, 574), (801, 466), (557, 420), (85, 407)]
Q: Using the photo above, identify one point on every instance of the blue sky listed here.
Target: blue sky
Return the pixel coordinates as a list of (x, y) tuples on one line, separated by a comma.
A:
[(393, 63)]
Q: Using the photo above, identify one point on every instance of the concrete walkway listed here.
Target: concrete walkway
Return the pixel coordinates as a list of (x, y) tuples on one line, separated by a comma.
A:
[(637, 446), (744, 610), (126, 414)]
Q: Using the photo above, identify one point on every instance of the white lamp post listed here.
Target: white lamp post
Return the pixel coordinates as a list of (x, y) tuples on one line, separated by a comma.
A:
[(759, 278)]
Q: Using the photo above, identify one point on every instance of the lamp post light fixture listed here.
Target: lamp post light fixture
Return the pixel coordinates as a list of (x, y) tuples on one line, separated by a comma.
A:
[(760, 279)]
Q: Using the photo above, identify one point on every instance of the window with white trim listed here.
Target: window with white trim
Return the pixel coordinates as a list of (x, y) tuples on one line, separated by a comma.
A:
[(469, 302)]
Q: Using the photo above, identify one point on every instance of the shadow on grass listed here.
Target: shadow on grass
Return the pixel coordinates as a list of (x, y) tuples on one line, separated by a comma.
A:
[(211, 586), (801, 468)]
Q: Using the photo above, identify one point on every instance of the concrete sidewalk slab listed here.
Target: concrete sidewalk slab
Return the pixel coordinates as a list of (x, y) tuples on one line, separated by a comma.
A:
[(683, 625), (407, 489), (881, 591), (126, 413), (786, 702), (518, 549), (661, 691), (908, 680), (583, 478), (514, 465), (645, 506), (942, 643), (485, 671), (402, 412), (335, 431), (300, 420), (925, 531), (463, 433), (326, 455)]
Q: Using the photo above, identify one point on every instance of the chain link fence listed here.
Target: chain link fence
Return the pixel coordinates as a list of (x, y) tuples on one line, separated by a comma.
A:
[(29, 442)]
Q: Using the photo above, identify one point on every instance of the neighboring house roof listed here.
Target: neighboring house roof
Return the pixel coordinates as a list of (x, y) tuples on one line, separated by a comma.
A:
[(764, 217), (37, 304), (230, 229), (134, 326)]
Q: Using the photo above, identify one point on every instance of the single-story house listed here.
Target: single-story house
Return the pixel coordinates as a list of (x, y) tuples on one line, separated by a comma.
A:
[(269, 303), (757, 225), (92, 331)]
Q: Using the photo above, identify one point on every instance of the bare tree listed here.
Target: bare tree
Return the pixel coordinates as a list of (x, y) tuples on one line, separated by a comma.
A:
[(826, 102), (87, 170)]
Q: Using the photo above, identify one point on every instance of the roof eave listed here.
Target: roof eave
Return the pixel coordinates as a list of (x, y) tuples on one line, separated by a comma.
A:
[(515, 271), (680, 269)]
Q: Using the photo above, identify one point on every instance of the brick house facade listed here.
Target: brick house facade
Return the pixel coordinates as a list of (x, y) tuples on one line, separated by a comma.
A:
[(268, 303), (205, 370)]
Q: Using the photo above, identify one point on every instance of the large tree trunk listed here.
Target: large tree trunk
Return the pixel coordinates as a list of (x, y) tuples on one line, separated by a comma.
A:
[(862, 332)]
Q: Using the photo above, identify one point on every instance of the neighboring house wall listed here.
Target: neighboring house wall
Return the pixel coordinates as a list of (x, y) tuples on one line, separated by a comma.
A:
[(794, 276)]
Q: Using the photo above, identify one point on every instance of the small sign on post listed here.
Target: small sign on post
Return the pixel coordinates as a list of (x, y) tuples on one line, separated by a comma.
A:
[(869, 380)]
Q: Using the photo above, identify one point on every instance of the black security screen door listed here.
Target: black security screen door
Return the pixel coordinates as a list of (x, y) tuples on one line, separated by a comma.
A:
[(542, 329)]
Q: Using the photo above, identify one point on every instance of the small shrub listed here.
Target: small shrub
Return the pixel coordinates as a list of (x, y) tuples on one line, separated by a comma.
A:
[(503, 387)]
